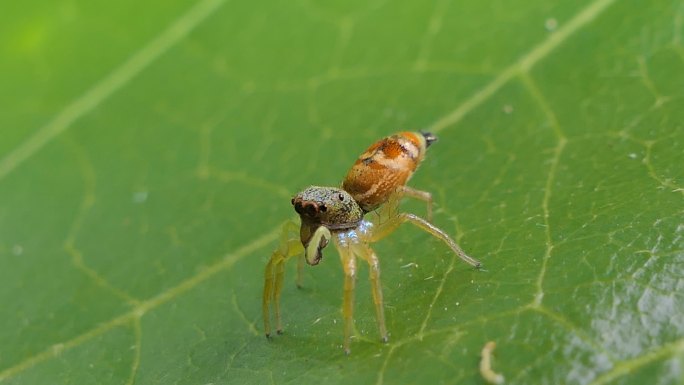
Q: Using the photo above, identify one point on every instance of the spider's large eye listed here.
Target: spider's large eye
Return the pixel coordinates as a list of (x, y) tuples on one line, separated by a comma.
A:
[(292, 201), (341, 197), (323, 208)]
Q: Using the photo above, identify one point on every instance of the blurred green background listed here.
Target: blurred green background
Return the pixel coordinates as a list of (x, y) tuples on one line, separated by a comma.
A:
[(148, 152)]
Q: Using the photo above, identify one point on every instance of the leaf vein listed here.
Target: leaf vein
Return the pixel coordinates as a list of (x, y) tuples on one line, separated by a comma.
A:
[(524, 64), (553, 168), (89, 183), (137, 348), (111, 83), (628, 366), (224, 264)]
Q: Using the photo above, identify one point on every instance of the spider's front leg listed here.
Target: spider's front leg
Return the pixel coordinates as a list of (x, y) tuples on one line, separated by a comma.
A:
[(275, 270), (366, 253), (349, 248), (348, 260)]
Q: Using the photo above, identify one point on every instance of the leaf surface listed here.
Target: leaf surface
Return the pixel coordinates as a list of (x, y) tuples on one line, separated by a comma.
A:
[(149, 152)]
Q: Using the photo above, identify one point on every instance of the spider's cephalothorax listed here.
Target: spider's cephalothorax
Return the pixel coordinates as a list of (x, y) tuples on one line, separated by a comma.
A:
[(376, 182), (330, 207)]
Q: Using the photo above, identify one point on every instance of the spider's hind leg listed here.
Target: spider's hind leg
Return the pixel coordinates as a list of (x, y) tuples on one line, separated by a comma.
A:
[(392, 223), (424, 196)]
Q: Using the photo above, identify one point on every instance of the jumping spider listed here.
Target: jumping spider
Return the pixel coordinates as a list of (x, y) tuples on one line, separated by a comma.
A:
[(376, 182)]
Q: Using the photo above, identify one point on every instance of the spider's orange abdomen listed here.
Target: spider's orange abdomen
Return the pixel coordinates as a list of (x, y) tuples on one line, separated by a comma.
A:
[(384, 166)]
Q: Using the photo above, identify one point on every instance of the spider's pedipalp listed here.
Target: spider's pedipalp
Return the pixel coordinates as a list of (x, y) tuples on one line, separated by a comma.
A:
[(313, 251)]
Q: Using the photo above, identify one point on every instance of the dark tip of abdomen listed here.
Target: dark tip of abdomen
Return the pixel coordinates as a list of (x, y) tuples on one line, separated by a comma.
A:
[(429, 138)]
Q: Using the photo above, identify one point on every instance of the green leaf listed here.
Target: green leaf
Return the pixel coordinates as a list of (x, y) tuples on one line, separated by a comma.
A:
[(149, 150)]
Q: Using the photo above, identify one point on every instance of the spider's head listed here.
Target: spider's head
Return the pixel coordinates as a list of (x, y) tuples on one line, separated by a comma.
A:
[(331, 207)]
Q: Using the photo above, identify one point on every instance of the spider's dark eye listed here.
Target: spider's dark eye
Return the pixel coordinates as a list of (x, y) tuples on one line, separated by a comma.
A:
[(292, 201), (323, 208), (341, 197)]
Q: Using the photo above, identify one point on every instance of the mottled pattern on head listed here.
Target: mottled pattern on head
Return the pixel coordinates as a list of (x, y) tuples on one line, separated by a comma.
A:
[(319, 206), (331, 207)]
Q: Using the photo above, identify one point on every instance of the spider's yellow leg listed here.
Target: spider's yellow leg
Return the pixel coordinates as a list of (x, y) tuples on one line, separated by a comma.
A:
[(273, 284), (349, 266), (268, 293), (300, 272), (365, 252), (277, 290), (420, 195), (273, 275), (387, 227)]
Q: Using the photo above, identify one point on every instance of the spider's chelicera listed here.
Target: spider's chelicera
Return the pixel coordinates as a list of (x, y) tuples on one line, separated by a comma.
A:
[(376, 182)]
